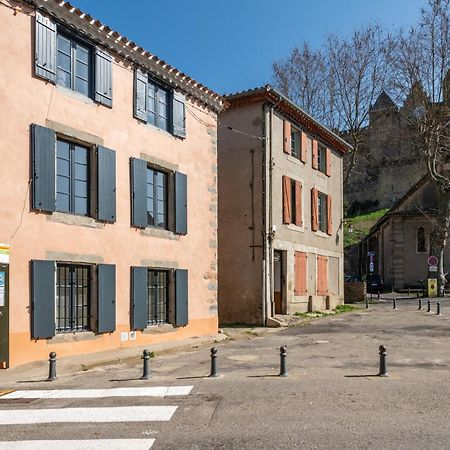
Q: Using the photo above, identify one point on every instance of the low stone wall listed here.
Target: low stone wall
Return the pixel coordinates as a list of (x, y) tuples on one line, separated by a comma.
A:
[(354, 291)]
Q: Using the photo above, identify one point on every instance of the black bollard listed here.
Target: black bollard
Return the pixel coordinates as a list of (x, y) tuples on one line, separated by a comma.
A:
[(52, 367), (394, 304), (283, 366), (367, 303), (383, 368), (417, 292), (214, 372), (438, 311), (429, 306), (146, 365), (420, 304)]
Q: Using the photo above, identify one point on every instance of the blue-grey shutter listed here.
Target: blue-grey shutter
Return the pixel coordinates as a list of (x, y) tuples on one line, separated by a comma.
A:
[(179, 115), (139, 298), (180, 203), (139, 193), (181, 297), (43, 143), (103, 77), (106, 298), (45, 48), (106, 176), (140, 95), (42, 299)]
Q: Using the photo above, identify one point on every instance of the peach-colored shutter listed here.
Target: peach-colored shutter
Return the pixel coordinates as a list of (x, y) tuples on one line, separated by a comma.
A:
[(328, 169), (298, 204), (315, 154), (286, 200), (300, 273), (329, 216), (314, 209), (287, 137), (304, 149), (322, 275)]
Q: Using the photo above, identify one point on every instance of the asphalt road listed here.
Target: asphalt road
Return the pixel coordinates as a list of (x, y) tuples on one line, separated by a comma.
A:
[(332, 397)]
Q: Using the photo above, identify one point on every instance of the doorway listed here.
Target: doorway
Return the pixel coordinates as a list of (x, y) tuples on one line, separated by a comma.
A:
[(4, 316), (278, 281)]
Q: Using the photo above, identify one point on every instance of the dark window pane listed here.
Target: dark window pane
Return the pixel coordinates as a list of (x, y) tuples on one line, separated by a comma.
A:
[(82, 86), (62, 149), (62, 202), (63, 184), (63, 167), (81, 154), (81, 206), (81, 188), (63, 44), (82, 53), (81, 171)]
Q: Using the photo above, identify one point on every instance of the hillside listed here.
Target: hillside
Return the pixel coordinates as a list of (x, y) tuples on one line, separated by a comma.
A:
[(357, 227)]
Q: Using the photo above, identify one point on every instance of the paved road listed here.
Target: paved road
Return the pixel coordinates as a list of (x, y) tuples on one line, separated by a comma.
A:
[(331, 398)]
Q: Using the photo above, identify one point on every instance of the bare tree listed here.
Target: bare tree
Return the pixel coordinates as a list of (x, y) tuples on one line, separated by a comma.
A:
[(339, 83), (420, 58)]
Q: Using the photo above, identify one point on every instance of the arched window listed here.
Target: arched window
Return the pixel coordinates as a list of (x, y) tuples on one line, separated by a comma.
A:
[(421, 241)]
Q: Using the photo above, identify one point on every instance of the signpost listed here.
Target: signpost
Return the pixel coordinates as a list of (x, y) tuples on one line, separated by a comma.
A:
[(371, 254), (433, 262)]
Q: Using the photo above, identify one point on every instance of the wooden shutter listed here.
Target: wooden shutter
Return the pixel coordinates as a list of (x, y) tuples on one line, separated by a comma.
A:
[(298, 204), (315, 154), (180, 203), (300, 273), (43, 143), (181, 298), (43, 299), (314, 209), (139, 193), (304, 148), (139, 297), (286, 200), (329, 216), (45, 48), (287, 137), (322, 275), (106, 176), (328, 161), (178, 115), (106, 298), (140, 95), (103, 77)]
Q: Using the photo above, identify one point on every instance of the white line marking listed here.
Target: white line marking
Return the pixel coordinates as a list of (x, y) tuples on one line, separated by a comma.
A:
[(159, 391), (79, 415), (94, 444)]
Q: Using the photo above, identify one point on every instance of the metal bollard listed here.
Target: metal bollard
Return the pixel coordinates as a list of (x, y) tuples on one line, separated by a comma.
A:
[(52, 367), (394, 304), (283, 366), (420, 304), (367, 303), (383, 368), (429, 306), (438, 311), (417, 292), (146, 364), (214, 372)]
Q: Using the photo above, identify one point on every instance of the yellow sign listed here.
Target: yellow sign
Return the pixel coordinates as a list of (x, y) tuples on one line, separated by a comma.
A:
[(432, 287)]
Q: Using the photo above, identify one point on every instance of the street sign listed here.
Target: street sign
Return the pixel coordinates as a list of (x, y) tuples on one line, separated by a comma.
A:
[(370, 253), (371, 266), (433, 268), (433, 261), (432, 287)]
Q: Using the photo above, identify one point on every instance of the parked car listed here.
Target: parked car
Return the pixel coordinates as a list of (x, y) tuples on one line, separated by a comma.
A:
[(374, 283)]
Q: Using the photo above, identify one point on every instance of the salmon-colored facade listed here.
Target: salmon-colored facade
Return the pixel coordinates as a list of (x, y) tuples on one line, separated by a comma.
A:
[(26, 99)]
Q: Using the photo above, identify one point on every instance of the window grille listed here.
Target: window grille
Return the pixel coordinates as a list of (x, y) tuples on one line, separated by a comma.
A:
[(157, 297)]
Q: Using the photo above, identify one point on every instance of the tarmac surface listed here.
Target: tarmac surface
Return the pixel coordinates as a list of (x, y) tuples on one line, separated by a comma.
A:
[(332, 397)]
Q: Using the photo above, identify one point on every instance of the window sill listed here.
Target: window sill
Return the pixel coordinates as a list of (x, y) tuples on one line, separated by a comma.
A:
[(322, 174), (295, 160), (160, 130), (76, 95), (159, 233), (294, 227), (157, 329), (75, 336), (72, 219), (322, 234)]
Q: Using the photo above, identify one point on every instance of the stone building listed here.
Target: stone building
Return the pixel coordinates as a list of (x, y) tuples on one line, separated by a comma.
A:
[(280, 210), (109, 193)]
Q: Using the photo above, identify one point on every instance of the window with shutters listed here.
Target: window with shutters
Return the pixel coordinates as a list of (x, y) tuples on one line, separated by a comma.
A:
[(157, 106), (158, 297), (157, 193), (322, 212), (72, 178), (73, 283), (293, 202), (296, 139), (322, 158), (74, 65)]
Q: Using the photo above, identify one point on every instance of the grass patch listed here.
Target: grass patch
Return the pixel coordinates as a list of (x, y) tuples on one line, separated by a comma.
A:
[(360, 226), (344, 308), (315, 314)]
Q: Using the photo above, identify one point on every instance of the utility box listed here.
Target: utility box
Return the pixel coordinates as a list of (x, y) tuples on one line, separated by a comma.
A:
[(432, 287)]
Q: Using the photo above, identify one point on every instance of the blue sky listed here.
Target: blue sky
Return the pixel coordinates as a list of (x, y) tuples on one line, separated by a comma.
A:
[(229, 45)]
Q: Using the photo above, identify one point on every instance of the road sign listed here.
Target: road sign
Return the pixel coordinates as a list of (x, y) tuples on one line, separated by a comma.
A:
[(433, 268), (432, 287), (370, 253), (371, 266), (433, 261)]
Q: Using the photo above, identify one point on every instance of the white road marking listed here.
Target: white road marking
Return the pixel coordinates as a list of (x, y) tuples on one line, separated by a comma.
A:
[(158, 391), (94, 444), (82, 415)]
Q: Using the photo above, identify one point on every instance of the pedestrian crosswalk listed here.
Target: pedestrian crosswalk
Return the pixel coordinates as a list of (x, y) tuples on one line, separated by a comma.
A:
[(90, 414)]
